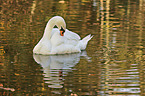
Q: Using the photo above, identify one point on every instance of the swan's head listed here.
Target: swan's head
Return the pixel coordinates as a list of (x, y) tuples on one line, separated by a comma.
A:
[(60, 23)]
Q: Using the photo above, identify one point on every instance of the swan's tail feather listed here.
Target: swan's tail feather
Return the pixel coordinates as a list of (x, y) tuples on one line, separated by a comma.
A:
[(84, 41), (87, 38)]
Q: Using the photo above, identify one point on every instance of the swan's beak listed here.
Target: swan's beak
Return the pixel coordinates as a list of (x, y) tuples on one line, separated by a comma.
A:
[(62, 31)]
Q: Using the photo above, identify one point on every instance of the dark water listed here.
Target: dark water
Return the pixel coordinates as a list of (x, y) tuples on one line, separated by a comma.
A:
[(112, 65)]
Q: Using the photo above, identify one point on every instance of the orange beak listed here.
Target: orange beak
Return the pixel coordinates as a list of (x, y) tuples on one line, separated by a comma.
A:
[(61, 33)]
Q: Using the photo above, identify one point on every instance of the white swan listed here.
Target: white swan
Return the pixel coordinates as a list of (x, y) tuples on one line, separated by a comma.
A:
[(59, 40)]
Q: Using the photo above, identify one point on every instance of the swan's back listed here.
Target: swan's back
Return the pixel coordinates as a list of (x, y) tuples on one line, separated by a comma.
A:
[(70, 38), (71, 35)]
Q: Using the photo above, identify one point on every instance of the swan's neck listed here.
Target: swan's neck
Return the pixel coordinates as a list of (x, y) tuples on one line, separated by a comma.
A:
[(48, 29), (58, 21)]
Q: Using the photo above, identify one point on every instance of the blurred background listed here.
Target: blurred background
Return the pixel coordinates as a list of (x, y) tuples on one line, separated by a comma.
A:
[(112, 65)]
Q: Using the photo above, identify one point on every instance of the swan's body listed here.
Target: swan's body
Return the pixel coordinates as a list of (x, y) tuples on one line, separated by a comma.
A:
[(55, 42)]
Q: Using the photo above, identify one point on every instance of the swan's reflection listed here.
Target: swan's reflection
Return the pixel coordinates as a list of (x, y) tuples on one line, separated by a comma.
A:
[(56, 66)]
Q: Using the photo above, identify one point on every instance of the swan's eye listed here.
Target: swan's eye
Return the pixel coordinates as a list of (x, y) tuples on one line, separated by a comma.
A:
[(62, 31)]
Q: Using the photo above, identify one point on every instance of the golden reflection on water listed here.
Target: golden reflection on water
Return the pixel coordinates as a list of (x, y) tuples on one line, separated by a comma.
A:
[(114, 62)]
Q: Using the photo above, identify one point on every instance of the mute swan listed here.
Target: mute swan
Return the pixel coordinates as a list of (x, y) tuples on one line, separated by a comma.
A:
[(59, 40)]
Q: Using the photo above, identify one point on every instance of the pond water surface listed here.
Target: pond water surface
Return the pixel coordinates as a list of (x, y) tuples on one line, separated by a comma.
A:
[(112, 65)]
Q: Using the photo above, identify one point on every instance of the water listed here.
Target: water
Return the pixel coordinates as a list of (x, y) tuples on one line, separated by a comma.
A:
[(112, 65)]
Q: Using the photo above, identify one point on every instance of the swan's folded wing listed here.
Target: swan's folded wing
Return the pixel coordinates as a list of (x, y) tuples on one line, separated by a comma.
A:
[(71, 35)]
